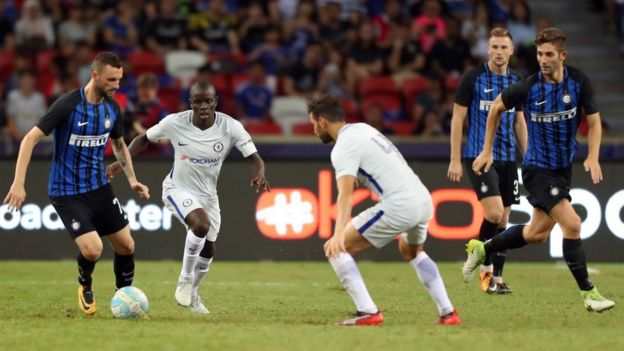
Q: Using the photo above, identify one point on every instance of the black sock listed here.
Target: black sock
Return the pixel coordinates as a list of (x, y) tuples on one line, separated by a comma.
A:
[(486, 232), (124, 270), (509, 239), (574, 255), (498, 258), (85, 269)]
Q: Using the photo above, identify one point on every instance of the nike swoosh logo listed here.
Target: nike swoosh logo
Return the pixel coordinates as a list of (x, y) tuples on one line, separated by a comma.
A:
[(488, 90), (540, 103), (180, 144), (80, 124)]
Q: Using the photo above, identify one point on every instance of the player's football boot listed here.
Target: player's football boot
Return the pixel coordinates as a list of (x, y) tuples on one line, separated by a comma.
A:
[(476, 256), (197, 305), (363, 318), (595, 302), (498, 288), (486, 279), (86, 300), (183, 292), (449, 319)]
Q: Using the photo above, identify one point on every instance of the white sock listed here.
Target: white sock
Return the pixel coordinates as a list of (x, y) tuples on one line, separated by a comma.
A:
[(488, 268), (429, 275), (201, 269), (349, 274), (192, 248)]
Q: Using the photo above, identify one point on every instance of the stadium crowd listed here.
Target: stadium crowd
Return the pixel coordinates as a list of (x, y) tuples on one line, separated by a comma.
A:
[(395, 64)]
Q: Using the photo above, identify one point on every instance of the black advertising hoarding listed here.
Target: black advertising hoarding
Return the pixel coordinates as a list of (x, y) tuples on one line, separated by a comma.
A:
[(293, 221)]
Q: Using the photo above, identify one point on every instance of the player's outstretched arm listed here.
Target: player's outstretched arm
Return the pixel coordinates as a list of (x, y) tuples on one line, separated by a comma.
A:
[(122, 154), (17, 193), (484, 161), (457, 125), (137, 145), (592, 164), (336, 244), (258, 180), (520, 128)]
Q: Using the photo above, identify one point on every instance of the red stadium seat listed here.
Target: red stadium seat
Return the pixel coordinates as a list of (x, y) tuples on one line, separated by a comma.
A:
[(221, 83), (351, 110), (263, 128), (377, 85), (414, 86), (146, 62), (237, 80), (451, 82), (303, 129), (44, 60), (6, 64), (402, 127), (170, 97)]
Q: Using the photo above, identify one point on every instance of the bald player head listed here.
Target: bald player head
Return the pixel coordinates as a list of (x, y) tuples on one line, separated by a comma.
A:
[(203, 100)]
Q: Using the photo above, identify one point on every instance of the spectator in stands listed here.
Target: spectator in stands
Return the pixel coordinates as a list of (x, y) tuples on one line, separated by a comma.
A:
[(120, 31), (167, 31), (500, 10), (431, 24), (253, 97), (25, 107), (302, 29), (430, 125), (452, 54), (476, 31), (253, 26), (429, 100), (77, 28), (214, 30), (34, 31), (145, 110), (304, 76), (389, 23), (407, 58), (374, 116), (271, 53), (332, 81), (519, 24), (7, 39), (333, 29), (366, 57)]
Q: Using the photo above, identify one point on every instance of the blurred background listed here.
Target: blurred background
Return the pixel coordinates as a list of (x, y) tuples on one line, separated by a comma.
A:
[(394, 64)]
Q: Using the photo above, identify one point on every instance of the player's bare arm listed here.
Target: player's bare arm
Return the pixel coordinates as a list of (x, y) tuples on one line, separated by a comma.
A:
[(520, 129), (457, 125), (122, 154), (137, 145), (17, 194), (486, 158), (258, 180), (594, 136), (336, 243)]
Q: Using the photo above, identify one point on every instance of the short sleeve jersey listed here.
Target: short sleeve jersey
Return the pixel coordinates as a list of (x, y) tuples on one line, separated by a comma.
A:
[(553, 113), (477, 90), (199, 154), (81, 131)]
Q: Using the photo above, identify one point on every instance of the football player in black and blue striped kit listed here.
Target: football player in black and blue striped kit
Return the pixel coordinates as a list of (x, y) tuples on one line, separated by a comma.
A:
[(497, 189), (553, 100), (82, 121)]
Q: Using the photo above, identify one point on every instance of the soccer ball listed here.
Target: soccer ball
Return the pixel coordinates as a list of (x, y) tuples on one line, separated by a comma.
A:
[(129, 302)]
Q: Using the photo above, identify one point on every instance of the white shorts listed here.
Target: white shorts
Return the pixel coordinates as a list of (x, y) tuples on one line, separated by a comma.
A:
[(181, 202), (381, 224)]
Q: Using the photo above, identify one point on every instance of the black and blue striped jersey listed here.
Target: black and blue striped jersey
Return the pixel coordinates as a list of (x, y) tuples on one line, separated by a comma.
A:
[(81, 131), (552, 112), (477, 90)]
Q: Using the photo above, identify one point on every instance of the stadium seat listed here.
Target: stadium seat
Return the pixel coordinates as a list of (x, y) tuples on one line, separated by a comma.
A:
[(221, 84), (146, 62), (392, 106), (289, 110), (402, 127), (377, 85), (183, 64), (411, 88), (236, 80), (6, 64), (263, 128), (170, 97), (351, 110), (303, 129), (451, 82), (44, 60)]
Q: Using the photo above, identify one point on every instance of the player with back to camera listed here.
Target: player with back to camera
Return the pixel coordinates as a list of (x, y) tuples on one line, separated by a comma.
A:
[(82, 121), (552, 100), (202, 138), (497, 189), (362, 155)]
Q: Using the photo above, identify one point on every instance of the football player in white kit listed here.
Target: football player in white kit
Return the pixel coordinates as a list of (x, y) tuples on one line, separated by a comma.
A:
[(362, 155), (202, 138)]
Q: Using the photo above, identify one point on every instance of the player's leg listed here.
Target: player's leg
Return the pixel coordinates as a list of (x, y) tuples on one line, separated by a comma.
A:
[(429, 275), (498, 260), (574, 255), (123, 262), (90, 246), (492, 216)]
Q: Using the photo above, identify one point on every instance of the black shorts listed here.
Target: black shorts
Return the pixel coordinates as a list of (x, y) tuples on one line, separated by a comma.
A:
[(501, 180), (546, 187), (97, 210)]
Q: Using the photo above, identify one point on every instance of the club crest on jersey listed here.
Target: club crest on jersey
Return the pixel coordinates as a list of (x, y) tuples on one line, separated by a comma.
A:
[(484, 188), (107, 123), (218, 147), (566, 99), (554, 191), (75, 225)]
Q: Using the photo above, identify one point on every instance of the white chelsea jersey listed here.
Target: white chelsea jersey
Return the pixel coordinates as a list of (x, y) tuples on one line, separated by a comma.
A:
[(199, 154), (363, 152)]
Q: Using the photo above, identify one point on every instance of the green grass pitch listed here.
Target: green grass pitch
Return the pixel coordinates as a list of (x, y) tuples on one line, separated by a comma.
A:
[(294, 306)]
